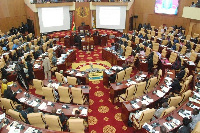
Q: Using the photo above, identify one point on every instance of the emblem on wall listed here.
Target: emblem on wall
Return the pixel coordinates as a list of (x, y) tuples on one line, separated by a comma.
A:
[(82, 11)]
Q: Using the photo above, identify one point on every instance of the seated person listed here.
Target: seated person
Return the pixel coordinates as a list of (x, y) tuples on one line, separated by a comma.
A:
[(4, 85), (140, 36), (63, 50), (23, 113), (177, 64), (15, 46), (185, 128), (130, 59), (176, 87), (138, 114), (195, 118), (181, 74), (112, 78), (62, 117), (54, 59), (4, 72), (112, 46), (160, 110), (10, 95), (77, 113)]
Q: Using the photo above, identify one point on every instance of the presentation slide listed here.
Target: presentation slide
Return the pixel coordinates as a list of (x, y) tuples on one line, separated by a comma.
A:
[(54, 19), (110, 17), (167, 6)]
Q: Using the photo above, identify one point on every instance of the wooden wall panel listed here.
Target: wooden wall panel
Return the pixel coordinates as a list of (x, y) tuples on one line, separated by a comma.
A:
[(82, 8), (12, 13), (145, 11)]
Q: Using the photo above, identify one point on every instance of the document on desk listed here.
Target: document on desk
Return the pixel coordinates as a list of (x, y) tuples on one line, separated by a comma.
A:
[(31, 130), (185, 113), (160, 93), (36, 66), (193, 100), (165, 89), (23, 99), (84, 112), (114, 67), (135, 106), (79, 74), (42, 106), (143, 75), (191, 63), (2, 116), (14, 130), (167, 125)]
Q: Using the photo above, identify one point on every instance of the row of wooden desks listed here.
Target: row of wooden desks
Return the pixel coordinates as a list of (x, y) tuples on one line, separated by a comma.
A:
[(127, 107), (33, 101)]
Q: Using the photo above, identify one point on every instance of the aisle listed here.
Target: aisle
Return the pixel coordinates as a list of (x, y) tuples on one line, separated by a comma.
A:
[(104, 117)]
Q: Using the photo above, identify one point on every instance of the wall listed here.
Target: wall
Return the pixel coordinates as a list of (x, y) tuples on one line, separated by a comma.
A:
[(82, 14), (12, 13), (145, 11)]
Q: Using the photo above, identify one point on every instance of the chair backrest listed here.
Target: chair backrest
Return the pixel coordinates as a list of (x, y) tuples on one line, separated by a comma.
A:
[(153, 33), (16, 115), (7, 104), (155, 58), (10, 44), (164, 53), (197, 128), (159, 75), (193, 56), (137, 40), (130, 91), (120, 76), (172, 57), (71, 80), (128, 51), (64, 94), (177, 46), (59, 77), (140, 88), (151, 83), (38, 84), (36, 119), (185, 86), (77, 95), (146, 116), (76, 125), (195, 35), (167, 111), (49, 94), (197, 48), (185, 96), (174, 101), (183, 50), (186, 74), (155, 47), (164, 42), (53, 122), (123, 48), (148, 51), (128, 73)]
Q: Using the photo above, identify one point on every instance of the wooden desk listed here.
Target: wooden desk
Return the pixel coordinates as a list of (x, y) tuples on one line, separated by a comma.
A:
[(67, 112), (165, 64), (116, 90), (86, 27), (111, 58), (127, 108), (84, 79), (87, 45)]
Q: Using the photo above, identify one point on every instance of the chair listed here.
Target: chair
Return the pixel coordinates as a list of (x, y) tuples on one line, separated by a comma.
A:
[(53, 122), (16, 115), (151, 84), (172, 57), (128, 73), (59, 77), (188, 37), (164, 53), (7, 104), (71, 80), (186, 75), (177, 46), (152, 28), (148, 51), (174, 101), (185, 86), (36, 119), (64, 94), (137, 40), (192, 45), (120, 76), (129, 95), (167, 111), (185, 96), (144, 118), (153, 33), (193, 56), (155, 60), (123, 49), (164, 42), (198, 66), (195, 35), (155, 47), (140, 89), (197, 49), (128, 51), (76, 125), (183, 50), (159, 76), (49, 94), (10, 45), (197, 128), (38, 84), (77, 95)]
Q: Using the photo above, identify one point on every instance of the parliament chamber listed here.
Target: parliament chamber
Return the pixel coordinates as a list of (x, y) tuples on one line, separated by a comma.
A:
[(115, 66)]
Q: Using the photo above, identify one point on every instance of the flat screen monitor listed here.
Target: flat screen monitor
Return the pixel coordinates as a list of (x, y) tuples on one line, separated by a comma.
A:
[(167, 7)]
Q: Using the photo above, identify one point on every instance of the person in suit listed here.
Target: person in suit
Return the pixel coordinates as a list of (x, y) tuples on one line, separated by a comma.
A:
[(47, 67), (195, 118), (112, 78), (177, 64), (54, 59), (9, 94), (4, 72), (160, 110), (176, 87), (150, 62), (22, 112), (185, 128), (30, 71), (181, 74), (62, 117)]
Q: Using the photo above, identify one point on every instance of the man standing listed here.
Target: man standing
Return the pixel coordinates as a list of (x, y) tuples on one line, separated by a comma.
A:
[(47, 67)]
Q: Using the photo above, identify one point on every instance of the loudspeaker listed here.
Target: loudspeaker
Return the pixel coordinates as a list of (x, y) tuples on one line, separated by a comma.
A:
[(136, 16)]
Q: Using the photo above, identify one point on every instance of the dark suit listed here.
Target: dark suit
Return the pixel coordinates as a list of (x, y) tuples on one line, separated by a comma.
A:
[(10, 95), (176, 87), (180, 75)]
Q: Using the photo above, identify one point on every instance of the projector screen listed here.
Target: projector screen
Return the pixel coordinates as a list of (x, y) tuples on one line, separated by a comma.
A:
[(110, 17), (167, 6), (54, 19)]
